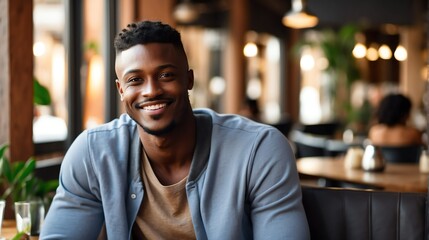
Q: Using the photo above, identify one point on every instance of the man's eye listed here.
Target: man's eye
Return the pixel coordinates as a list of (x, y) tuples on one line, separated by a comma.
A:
[(131, 80), (166, 75)]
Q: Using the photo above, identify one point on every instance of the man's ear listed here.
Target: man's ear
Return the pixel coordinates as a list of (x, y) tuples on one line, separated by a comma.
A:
[(119, 88), (190, 79)]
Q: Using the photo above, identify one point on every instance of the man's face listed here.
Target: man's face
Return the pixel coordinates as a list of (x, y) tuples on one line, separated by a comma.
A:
[(153, 81)]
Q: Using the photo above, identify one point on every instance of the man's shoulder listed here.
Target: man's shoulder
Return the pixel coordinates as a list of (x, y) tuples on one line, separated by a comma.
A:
[(120, 130), (232, 121), (104, 139), (123, 122)]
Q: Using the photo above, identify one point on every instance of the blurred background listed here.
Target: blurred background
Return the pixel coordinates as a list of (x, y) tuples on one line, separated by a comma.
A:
[(288, 63)]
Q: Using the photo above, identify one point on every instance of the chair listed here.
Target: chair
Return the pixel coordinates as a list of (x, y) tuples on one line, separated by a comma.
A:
[(323, 129), (401, 154), (335, 147), (307, 145), (48, 169), (346, 214), (284, 126)]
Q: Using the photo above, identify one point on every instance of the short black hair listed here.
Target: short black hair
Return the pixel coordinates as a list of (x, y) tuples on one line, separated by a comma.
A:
[(147, 32), (393, 109)]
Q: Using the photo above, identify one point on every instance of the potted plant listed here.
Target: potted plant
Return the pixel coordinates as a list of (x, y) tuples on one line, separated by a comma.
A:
[(19, 182), (337, 46)]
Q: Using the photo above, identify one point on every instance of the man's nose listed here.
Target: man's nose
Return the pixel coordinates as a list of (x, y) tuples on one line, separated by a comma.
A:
[(152, 88)]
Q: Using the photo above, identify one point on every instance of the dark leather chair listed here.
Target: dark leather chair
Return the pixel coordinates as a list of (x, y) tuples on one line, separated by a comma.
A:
[(336, 147), (322, 129), (284, 126), (346, 214), (48, 169), (401, 154), (307, 145)]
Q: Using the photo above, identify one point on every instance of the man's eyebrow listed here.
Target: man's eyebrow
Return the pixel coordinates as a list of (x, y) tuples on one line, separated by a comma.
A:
[(131, 71), (161, 67), (167, 66)]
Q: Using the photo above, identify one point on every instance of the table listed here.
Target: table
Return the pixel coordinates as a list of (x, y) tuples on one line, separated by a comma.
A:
[(9, 231), (402, 177)]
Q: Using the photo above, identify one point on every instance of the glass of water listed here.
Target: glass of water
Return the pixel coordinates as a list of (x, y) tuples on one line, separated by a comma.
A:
[(23, 217), (2, 206)]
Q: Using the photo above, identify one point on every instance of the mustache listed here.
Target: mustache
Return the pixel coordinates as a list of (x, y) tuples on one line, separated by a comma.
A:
[(155, 99)]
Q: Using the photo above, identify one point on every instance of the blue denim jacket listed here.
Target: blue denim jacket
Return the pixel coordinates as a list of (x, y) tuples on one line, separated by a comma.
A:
[(243, 183)]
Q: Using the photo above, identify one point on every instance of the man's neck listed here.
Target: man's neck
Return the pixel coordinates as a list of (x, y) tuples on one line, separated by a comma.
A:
[(171, 155)]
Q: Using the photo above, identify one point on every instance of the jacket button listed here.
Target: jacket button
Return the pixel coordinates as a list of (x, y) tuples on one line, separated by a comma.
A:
[(133, 196)]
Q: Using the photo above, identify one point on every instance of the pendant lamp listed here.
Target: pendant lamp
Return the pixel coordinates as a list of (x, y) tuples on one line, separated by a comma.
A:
[(298, 17), (185, 12)]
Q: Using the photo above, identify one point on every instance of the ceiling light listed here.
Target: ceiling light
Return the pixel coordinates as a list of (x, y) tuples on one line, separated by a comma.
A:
[(401, 53), (250, 50), (359, 50), (385, 52), (185, 12), (298, 17), (372, 53)]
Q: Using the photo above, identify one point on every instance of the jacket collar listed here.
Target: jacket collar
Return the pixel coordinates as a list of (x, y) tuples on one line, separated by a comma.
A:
[(202, 148)]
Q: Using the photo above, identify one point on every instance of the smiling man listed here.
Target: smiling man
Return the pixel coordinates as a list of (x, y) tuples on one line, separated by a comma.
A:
[(166, 171)]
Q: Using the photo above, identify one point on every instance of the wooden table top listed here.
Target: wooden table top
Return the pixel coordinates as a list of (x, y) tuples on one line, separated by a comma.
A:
[(403, 177), (8, 230)]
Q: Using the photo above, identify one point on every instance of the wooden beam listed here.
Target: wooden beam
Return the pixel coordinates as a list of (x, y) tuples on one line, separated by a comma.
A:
[(16, 74), (156, 10), (292, 79), (234, 62)]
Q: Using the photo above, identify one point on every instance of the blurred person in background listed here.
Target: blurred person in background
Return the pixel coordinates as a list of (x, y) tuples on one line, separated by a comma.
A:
[(392, 127)]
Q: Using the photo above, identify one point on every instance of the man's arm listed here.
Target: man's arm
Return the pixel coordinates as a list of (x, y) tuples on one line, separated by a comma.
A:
[(76, 211), (275, 191)]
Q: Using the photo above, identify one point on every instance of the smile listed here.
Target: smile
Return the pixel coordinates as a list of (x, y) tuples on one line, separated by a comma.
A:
[(154, 107)]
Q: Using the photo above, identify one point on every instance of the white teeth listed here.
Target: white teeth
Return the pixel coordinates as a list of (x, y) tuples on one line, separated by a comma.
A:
[(155, 107)]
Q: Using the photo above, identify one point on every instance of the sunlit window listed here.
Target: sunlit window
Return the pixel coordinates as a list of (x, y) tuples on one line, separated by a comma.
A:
[(94, 99), (50, 117), (263, 74), (315, 98)]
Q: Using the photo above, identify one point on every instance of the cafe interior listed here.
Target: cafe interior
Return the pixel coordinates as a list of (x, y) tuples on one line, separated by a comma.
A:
[(314, 69)]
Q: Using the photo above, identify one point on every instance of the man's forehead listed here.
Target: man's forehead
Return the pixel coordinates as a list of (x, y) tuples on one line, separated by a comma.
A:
[(152, 50), (142, 52)]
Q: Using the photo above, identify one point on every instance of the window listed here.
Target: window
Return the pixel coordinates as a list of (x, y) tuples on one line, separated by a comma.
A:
[(71, 57), (50, 121)]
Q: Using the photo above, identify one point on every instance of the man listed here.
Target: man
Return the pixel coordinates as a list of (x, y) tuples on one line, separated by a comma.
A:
[(165, 171)]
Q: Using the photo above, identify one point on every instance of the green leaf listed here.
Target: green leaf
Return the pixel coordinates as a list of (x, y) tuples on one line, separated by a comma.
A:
[(45, 187), (20, 183), (18, 236), (3, 159), (3, 148), (2, 162), (41, 94), (25, 171), (7, 170)]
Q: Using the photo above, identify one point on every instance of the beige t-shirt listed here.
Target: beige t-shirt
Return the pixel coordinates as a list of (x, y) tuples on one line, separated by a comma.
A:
[(164, 212)]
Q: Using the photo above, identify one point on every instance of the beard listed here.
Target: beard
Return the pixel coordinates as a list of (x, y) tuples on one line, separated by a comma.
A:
[(159, 132)]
